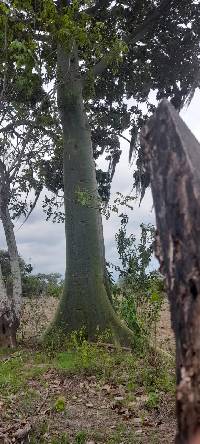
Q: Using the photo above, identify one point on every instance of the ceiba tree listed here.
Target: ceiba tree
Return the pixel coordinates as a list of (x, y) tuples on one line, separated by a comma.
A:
[(99, 55)]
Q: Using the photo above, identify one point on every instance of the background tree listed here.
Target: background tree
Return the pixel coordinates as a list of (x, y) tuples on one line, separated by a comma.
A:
[(104, 54), (23, 146), (25, 135)]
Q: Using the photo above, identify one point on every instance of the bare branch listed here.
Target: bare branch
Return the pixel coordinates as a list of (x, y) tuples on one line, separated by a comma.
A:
[(37, 195), (17, 162), (123, 137), (13, 125)]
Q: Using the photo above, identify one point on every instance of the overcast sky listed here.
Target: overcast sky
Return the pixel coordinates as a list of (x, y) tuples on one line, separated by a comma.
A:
[(43, 244)]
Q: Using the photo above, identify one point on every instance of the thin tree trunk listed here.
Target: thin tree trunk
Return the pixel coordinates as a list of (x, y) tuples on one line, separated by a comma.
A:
[(7, 338), (10, 316), (85, 303), (173, 161), (14, 262)]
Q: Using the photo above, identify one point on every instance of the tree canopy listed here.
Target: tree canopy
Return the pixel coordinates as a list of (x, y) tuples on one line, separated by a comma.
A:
[(126, 49)]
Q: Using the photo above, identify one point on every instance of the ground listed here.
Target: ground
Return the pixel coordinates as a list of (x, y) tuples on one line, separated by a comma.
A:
[(87, 393)]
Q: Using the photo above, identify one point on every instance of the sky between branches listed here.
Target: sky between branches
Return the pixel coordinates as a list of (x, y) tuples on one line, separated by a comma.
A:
[(43, 243)]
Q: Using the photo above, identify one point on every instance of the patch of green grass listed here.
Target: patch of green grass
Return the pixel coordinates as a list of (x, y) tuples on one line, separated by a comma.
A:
[(157, 377), (130, 370), (87, 358), (6, 352), (10, 372), (81, 437), (153, 400), (37, 435), (122, 435), (133, 371), (154, 438), (17, 369), (59, 404), (67, 361), (27, 402), (62, 439)]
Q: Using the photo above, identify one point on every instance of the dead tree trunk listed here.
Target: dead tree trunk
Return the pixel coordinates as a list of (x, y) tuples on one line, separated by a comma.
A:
[(172, 156)]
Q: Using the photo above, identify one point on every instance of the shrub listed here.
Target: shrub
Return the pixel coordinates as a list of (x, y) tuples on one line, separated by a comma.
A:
[(139, 295)]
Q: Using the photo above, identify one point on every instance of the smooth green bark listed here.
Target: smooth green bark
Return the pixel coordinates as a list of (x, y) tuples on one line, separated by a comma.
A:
[(85, 303)]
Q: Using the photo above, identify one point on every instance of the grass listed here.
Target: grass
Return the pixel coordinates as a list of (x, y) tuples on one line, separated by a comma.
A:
[(18, 367), (133, 383)]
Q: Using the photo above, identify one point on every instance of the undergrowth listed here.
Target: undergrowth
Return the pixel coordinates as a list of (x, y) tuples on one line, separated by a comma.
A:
[(25, 374)]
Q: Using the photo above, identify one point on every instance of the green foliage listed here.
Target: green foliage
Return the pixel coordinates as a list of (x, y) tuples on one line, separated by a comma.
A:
[(25, 269), (123, 435), (14, 373), (139, 294), (29, 64), (83, 356), (153, 400), (38, 436), (119, 201), (43, 284), (86, 199), (59, 405), (81, 437), (29, 376), (62, 439)]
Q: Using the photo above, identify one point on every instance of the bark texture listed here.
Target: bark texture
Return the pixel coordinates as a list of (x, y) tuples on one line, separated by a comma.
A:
[(85, 303), (7, 322), (172, 156), (10, 301)]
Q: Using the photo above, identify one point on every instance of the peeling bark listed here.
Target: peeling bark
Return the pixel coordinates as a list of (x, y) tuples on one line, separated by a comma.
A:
[(172, 156), (7, 321), (10, 302), (14, 262)]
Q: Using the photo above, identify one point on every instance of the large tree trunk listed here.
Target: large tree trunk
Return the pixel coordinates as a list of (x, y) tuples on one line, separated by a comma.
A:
[(173, 161), (85, 303)]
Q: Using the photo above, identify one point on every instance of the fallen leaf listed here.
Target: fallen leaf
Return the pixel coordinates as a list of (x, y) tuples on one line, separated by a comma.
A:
[(107, 388), (21, 433), (137, 421), (138, 432)]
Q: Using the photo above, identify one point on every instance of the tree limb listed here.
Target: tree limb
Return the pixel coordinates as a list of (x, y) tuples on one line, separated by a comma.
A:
[(151, 19), (123, 137), (17, 162), (37, 195), (12, 125), (141, 31)]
